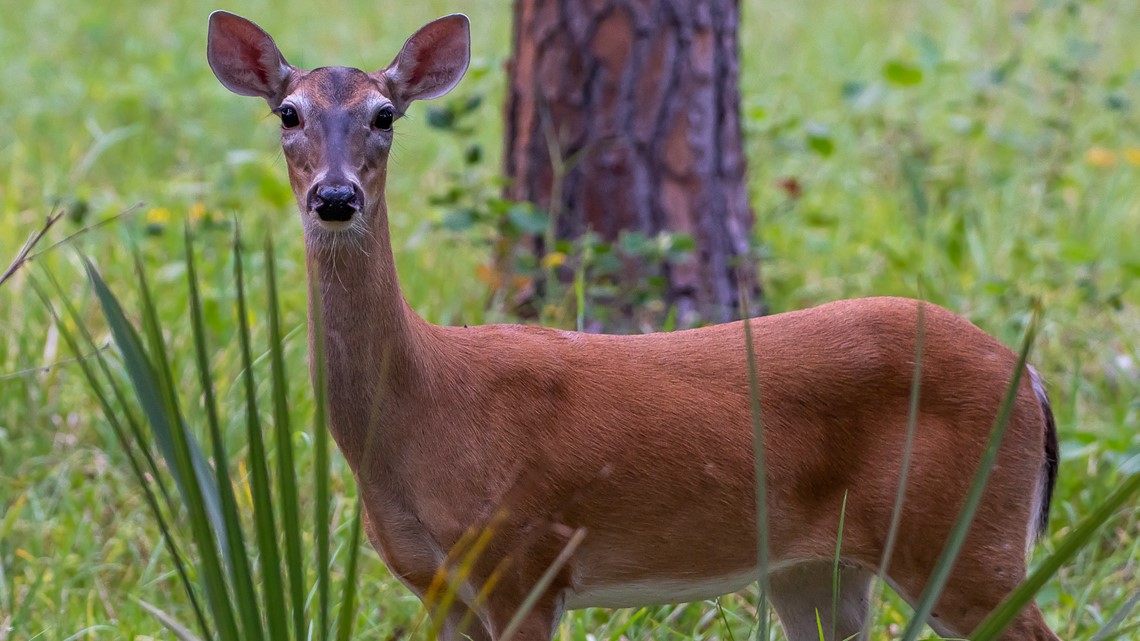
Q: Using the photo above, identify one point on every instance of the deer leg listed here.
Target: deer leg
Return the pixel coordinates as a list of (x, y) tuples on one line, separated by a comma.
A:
[(803, 592), (461, 624), (981, 579)]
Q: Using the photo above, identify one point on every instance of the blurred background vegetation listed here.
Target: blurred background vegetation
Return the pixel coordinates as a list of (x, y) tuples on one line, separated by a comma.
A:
[(981, 154)]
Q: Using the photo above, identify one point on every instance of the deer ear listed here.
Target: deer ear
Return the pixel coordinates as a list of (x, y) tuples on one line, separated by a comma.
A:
[(432, 61), (245, 59)]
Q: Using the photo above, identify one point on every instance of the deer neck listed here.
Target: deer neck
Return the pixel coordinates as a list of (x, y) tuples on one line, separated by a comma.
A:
[(373, 339)]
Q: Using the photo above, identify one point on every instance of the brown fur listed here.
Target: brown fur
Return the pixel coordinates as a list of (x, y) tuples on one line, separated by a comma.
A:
[(645, 442)]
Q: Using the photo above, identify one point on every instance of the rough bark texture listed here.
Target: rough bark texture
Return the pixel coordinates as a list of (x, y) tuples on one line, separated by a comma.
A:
[(641, 98)]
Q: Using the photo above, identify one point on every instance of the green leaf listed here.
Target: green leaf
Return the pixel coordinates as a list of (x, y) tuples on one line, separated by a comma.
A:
[(320, 457), (759, 468), (635, 244), (902, 74), (459, 220), (527, 218), (232, 541), (348, 590), (166, 426), (290, 504), (851, 90), (440, 118), (140, 443), (264, 524), (180, 632), (473, 154), (683, 243), (819, 140)]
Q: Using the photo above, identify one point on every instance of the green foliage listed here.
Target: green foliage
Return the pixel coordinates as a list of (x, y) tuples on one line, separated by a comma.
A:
[(1008, 172), (207, 493), (616, 280)]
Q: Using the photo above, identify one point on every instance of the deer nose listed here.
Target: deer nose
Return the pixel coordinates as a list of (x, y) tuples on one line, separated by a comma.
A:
[(335, 202)]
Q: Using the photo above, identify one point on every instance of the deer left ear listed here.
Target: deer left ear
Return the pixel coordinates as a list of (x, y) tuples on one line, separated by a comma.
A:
[(432, 61)]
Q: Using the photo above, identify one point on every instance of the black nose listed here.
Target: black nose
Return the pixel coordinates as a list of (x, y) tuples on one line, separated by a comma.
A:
[(335, 202)]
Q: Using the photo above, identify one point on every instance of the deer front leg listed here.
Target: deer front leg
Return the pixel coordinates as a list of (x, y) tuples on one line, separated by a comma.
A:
[(538, 624)]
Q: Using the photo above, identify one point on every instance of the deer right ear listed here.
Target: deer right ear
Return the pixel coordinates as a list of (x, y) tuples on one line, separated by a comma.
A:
[(245, 59)]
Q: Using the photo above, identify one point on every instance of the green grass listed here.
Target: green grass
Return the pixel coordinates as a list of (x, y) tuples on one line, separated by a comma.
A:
[(1010, 171)]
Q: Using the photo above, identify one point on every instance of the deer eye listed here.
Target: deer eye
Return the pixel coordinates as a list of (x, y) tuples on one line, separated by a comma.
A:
[(289, 117), (384, 118)]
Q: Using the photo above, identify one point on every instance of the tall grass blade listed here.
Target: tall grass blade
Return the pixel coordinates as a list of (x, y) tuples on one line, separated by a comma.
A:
[(544, 582), (1112, 628), (167, 389), (347, 613), (140, 442), (835, 584), (232, 541), (957, 536), (320, 457), (904, 472), (25, 607), (288, 501), (994, 624), (143, 378), (180, 632), (580, 293), (761, 479), (265, 528), (136, 431)]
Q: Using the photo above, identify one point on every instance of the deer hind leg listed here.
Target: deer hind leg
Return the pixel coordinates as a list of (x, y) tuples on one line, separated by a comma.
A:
[(802, 591), (980, 580), (538, 624)]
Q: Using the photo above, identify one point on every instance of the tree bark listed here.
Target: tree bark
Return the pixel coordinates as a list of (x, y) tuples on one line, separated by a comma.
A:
[(628, 113)]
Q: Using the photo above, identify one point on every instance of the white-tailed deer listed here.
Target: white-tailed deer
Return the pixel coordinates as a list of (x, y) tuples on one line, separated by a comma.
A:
[(639, 448)]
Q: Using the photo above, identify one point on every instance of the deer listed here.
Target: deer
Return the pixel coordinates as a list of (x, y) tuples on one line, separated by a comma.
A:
[(619, 470)]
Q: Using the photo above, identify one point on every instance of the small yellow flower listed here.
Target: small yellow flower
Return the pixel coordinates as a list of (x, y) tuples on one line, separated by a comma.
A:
[(197, 212), (553, 259), (1100, 157), (158, 216), (1132, 155)]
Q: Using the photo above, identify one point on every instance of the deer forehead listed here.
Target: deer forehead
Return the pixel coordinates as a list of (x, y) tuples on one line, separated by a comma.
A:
[(337, 89)]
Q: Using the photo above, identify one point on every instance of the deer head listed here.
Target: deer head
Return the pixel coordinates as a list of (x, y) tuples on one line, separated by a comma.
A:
[(337, 122)]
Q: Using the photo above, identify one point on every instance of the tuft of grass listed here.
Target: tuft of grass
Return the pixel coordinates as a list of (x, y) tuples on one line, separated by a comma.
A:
[(235, 608)]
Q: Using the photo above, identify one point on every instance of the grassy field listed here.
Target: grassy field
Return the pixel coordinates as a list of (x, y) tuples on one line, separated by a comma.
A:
[(981, 154)]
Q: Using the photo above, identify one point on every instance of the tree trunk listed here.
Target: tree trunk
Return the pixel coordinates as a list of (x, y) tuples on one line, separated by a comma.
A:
[(627, 112)]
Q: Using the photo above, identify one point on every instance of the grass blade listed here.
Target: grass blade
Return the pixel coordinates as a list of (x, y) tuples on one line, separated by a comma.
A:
[(179, 631), (1112, 629), (140, 442), (544, 582), (904, 472), (232, 540), (763, 629), (167, 427), (957, 536), (835, 585), (994, 624), (320, 457), (347, 613), (263, 521), (290, 505), (167, 390)]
